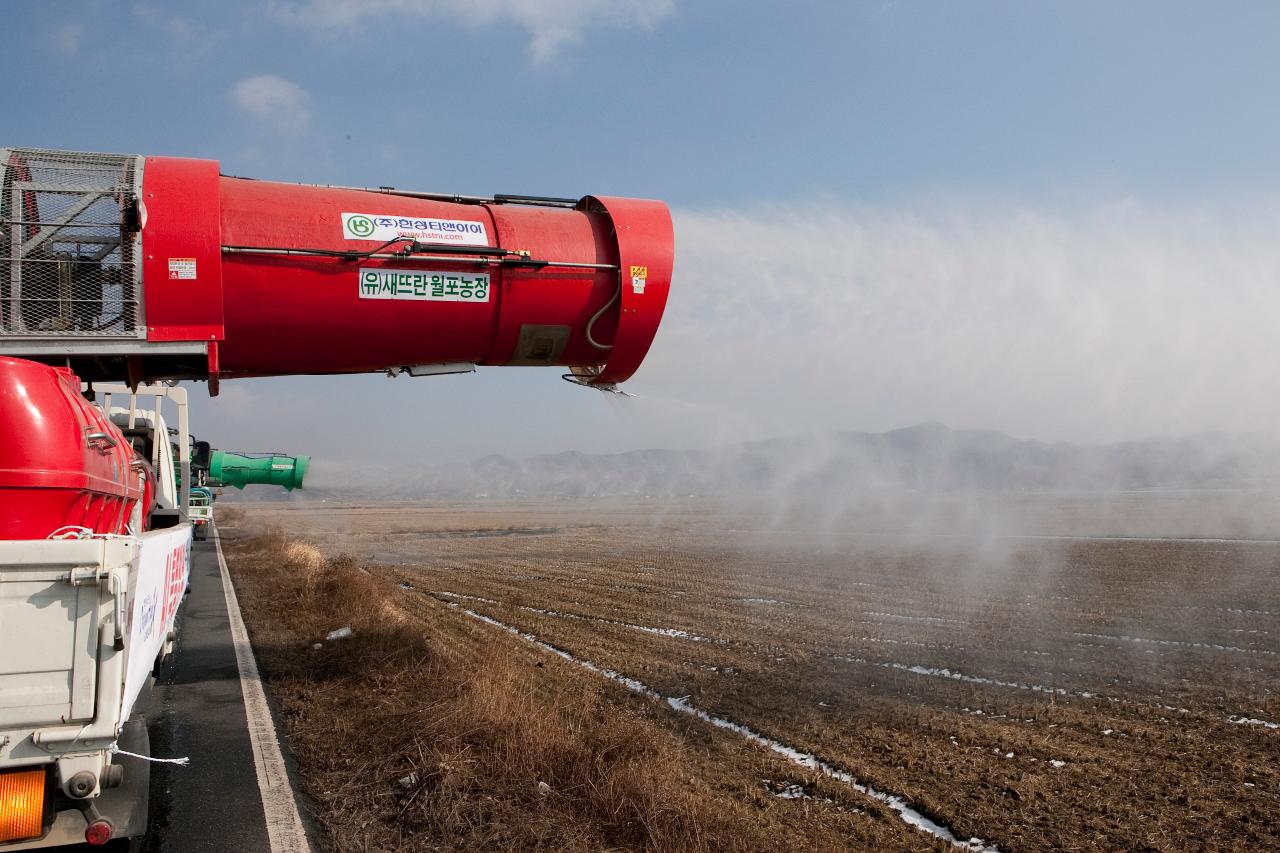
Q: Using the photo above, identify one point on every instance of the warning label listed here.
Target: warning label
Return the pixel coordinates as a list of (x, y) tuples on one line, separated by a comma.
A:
[(182, 268), (639, 277)]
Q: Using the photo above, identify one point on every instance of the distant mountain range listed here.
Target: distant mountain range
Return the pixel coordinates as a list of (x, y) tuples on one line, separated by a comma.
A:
[(927, 457)]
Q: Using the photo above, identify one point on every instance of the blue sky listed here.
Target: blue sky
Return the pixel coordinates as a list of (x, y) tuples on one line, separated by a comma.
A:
[(700, 103), (1097, 161)]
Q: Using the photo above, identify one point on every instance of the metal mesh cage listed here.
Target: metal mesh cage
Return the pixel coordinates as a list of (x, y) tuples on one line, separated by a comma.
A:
[(70, 244)]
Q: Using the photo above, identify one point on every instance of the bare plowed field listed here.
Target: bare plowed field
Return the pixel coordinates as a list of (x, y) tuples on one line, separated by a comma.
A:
[(826, 691)]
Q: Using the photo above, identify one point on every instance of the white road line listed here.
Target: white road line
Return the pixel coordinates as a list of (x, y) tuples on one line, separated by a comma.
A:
[(284, 824)]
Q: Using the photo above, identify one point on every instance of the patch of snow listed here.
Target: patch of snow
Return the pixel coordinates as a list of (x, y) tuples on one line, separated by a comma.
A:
[(1252, 721), (796, 791), (557, 614), (934, 619), (1180, 643), (940, 672), (904, 642), (662, 632), (462, 597), (1056, 763)]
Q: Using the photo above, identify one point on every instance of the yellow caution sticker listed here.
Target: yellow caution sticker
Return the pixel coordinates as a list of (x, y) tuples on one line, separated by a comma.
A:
[(639, 272)]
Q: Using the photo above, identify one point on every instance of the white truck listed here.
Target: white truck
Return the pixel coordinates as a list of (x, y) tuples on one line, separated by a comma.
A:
[(85, 622), (201, 512)]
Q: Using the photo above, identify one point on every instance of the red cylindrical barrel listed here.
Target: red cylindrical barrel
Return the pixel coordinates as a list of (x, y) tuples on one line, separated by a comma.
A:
[(285, 278)]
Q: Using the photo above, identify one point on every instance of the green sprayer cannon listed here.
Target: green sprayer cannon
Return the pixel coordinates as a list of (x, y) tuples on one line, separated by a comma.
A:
[(246, 469)]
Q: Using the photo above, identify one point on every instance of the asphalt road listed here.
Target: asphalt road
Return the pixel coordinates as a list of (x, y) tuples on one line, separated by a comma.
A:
[(196, 709)]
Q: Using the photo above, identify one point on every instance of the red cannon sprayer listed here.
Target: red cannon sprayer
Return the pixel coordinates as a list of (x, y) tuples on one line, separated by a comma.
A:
[(146, 268), (139, 269)]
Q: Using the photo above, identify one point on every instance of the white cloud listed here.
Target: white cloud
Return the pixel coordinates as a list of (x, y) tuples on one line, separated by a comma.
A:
[(552, 24), (66, 39), (282, 104)]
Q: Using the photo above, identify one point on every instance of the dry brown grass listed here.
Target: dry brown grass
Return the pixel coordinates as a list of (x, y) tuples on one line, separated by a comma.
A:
[(425, 731)]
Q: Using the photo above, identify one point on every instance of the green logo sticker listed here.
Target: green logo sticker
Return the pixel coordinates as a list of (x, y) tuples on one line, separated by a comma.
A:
[(360, 226)]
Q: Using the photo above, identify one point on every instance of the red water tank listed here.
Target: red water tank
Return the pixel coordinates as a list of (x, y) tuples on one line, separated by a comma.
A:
[(62, 462)]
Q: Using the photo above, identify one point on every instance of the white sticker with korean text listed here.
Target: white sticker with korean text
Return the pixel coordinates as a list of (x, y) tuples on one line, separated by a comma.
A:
[(381, 227), (424, 285)]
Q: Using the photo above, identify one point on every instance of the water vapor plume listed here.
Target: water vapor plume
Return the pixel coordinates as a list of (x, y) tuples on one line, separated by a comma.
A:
[(1117, 322)]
